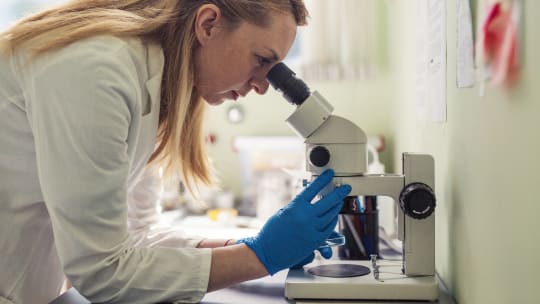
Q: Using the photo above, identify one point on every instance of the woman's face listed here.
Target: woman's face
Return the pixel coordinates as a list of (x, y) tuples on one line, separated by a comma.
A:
[(229, 64)]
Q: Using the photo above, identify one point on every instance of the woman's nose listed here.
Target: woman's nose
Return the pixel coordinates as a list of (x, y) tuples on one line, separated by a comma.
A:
[(260, 86)]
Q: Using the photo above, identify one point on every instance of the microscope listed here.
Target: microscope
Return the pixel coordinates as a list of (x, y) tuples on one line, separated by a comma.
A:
[(334, 142)]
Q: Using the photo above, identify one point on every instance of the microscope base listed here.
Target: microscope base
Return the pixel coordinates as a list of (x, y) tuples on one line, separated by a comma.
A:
[(392, 285)]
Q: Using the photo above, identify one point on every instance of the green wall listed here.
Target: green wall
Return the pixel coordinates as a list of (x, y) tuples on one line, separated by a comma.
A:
[(487, 166)]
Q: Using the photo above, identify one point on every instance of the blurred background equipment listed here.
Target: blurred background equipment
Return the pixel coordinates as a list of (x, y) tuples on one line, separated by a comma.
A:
[(270, 168)]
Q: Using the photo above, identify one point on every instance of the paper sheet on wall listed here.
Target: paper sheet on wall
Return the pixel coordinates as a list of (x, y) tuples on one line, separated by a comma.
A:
[(431, 60), (465, 47)]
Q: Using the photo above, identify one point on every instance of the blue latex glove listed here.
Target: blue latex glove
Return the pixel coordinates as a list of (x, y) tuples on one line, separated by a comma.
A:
[(292, 234)]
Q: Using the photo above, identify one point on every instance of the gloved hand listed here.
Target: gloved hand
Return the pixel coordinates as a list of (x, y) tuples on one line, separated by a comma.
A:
[(325, 252), (295, 231)]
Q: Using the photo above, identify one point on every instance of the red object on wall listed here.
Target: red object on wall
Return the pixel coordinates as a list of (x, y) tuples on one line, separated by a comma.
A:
[(499, 43), (211, 138)]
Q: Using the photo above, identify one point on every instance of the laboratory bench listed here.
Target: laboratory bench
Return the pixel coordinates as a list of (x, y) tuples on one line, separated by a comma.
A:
[(267, 290)]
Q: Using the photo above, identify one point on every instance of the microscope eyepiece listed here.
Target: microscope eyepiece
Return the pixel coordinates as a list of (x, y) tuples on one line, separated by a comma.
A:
[(284, 79)]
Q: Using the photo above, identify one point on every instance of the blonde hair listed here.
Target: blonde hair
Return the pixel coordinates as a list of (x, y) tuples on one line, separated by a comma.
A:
[(170, 23)]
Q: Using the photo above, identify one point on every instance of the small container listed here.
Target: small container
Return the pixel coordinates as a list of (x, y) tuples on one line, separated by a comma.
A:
[(333, 242)]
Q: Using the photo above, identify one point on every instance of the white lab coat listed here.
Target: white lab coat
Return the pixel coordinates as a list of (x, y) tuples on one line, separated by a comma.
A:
[(77, 127)]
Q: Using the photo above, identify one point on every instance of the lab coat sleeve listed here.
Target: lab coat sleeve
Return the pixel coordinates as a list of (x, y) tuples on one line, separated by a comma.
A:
[(144, 224), (81, 102)]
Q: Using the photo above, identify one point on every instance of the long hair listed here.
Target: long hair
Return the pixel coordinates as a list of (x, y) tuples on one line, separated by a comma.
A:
[(170, 23)]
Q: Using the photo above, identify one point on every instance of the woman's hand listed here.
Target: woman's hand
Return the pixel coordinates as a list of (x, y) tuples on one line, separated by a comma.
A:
[(291, 235)]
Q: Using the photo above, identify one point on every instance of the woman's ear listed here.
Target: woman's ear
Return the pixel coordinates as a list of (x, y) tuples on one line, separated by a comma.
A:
[(208, 17)]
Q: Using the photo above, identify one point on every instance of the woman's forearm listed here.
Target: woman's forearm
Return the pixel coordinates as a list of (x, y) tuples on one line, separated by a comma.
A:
[(234, 264)]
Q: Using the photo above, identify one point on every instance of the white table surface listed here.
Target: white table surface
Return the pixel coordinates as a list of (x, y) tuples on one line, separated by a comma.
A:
[(267, 290)]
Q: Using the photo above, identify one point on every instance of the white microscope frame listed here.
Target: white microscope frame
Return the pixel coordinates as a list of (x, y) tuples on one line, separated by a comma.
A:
[(347, 146)]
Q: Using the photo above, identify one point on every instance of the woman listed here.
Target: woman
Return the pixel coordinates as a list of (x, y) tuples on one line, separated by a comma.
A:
[(93, 95)]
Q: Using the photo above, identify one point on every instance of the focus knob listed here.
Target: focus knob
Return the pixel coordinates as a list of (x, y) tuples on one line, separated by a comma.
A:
[(319, 156), (417, 200)]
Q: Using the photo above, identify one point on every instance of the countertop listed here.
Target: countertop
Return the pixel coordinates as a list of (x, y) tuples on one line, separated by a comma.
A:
[(267, 290)]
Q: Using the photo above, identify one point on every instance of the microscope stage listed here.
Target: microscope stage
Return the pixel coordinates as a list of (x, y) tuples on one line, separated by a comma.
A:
[(392, 284)]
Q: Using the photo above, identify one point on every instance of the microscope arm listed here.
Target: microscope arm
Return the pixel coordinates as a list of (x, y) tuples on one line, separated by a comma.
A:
[(417, 235)]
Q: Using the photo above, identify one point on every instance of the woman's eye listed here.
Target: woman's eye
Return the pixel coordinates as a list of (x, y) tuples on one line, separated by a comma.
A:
[(262, 61)]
